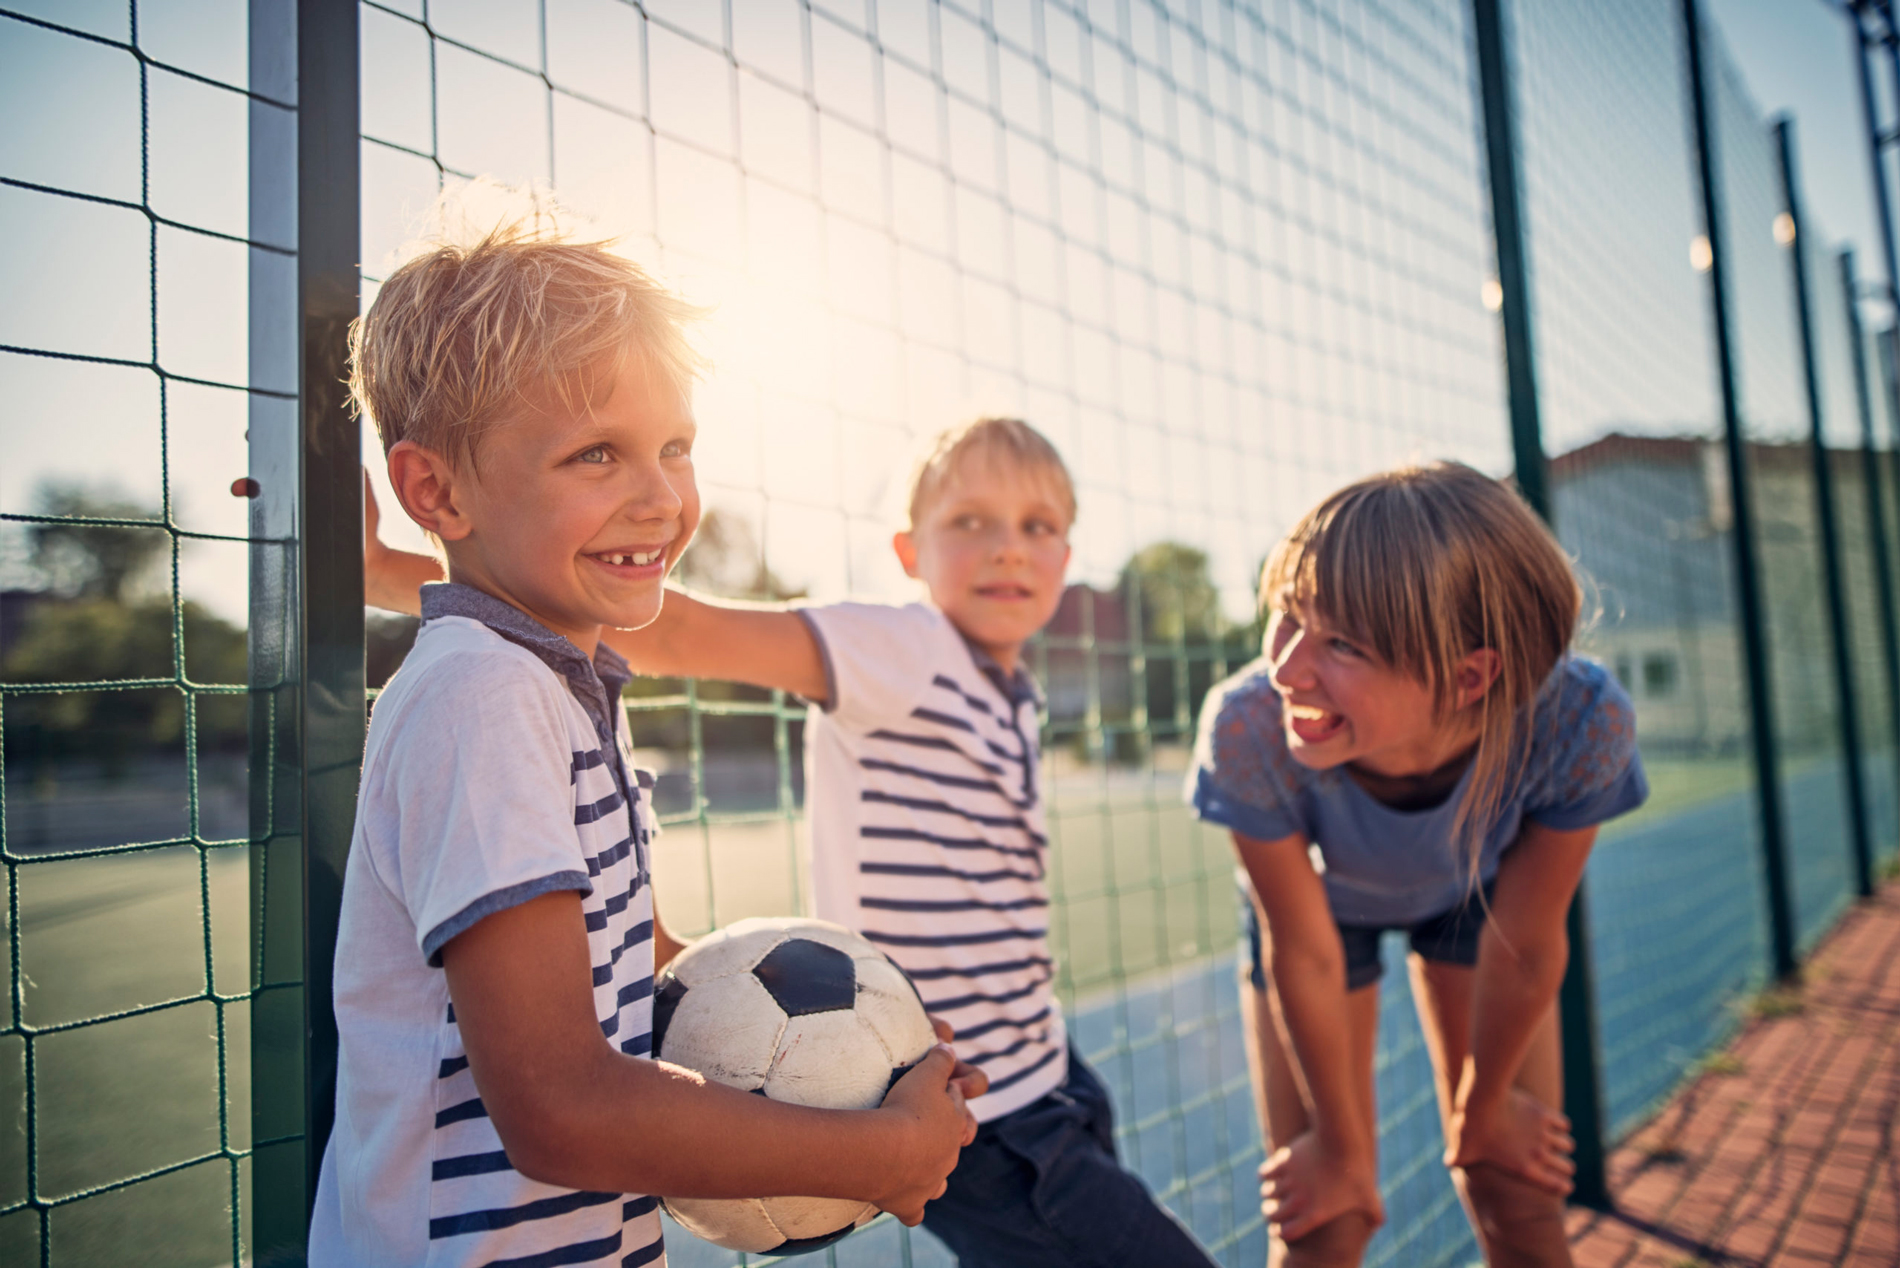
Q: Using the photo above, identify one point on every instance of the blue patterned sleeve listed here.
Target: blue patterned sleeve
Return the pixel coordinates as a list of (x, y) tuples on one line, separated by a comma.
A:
[(1242, 777), (1591, 770)]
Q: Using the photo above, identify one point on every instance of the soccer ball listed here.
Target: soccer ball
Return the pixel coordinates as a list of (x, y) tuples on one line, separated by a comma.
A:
[(801, 1011)]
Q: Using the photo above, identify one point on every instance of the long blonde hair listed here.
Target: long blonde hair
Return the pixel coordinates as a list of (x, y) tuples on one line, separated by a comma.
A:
[(1423, 566)]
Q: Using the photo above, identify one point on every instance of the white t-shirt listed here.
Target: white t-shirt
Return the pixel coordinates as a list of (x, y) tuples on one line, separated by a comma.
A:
[(496, 771), (927, 833)]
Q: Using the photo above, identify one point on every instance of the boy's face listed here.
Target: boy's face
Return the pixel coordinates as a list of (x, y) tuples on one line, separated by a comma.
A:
[(991, 547), (576, 519)]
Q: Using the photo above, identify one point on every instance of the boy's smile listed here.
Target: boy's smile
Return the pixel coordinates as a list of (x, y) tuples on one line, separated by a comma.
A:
[(575, 518), (991, 547)]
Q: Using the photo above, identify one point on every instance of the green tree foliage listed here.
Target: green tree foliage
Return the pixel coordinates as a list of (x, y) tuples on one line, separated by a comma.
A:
[(95, 622), (1187, 641), (81, 560)]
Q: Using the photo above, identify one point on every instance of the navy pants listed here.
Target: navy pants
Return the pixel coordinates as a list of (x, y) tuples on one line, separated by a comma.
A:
[(1040, 1188)]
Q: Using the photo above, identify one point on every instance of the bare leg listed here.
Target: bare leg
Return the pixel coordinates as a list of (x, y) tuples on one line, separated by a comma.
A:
[(1518, 1224), (1284, 1115)]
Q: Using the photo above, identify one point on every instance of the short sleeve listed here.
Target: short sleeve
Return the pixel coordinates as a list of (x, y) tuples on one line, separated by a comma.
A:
[(1592, 770), (477, 780), (879, 659), (1242, 776)]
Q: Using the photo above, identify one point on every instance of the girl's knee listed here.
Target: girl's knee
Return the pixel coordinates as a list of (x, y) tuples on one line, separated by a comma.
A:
[(1519, 1223), (1339, 1243)]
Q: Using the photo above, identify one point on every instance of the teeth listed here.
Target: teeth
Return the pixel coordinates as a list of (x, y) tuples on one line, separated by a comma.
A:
[(637, 559), (1308, 712)]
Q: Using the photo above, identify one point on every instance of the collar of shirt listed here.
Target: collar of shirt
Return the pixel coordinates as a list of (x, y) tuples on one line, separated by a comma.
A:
[(596, 683), (1019, 688)]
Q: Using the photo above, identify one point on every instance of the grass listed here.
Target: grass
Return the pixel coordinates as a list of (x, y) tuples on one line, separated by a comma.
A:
[(1681, 783), (1721, 1065), (1775, 1002)]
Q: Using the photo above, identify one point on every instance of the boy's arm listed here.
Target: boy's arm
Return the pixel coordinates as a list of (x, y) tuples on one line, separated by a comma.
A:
[(392, 579), (1522, 954), (765, 645), (573, 1111)]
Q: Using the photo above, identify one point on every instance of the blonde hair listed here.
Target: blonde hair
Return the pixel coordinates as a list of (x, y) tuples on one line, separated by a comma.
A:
[(1423, 566), (473, 329), (1010, 442)]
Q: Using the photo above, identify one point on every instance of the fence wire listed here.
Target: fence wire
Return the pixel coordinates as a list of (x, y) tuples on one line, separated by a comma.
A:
[(125, 809), (1227, 255)]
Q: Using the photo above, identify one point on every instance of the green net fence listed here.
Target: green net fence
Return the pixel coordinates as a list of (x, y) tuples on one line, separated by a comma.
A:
[(1227, 255), (124, 618)]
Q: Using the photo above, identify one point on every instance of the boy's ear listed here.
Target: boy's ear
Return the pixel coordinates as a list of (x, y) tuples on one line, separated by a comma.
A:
[(1475, 674), (906, 547), (424, 483)]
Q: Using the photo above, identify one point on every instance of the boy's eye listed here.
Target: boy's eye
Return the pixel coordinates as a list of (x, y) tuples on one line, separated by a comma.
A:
[(676, 449), (595, 455), (966, 523), (1342, 646)]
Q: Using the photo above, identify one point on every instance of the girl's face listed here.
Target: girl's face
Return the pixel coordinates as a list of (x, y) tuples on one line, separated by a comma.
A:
[(1341, 704)]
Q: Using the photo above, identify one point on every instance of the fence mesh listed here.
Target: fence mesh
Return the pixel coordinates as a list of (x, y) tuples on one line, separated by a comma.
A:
[(1227, 255), (126, 799)]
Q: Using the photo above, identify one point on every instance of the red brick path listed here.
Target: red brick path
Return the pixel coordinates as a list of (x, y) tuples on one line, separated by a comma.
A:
[(1784, 1153)]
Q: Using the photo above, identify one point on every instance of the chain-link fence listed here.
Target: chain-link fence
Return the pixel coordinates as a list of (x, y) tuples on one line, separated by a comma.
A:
[(1227, 255)]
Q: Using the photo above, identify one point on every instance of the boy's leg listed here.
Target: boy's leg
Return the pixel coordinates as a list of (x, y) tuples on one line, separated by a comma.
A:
[(1342, 1242), (1041, 1188), (1518, 1224)]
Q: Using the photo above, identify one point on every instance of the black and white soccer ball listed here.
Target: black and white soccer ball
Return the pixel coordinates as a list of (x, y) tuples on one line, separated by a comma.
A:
[(801, 1011)]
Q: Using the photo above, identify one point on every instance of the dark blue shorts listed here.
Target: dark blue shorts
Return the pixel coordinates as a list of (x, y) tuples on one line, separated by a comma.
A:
[(1041, 1188), (1450, 937)]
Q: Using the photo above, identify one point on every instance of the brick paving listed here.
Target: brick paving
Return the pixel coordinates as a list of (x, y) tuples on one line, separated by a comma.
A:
[(1782, 1152)]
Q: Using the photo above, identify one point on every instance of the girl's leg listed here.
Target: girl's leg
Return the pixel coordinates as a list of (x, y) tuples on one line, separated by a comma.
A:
[(1518, 1224), (1283, 1116)]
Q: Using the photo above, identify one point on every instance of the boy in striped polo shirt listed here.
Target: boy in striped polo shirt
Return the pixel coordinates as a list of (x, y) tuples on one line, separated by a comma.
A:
[(926, 811), (496, 1100)]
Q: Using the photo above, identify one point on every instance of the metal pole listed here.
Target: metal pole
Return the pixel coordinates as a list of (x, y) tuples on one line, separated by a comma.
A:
[(1831, 567), (1876, 510), (1877, 142), (331, 523), (1583, 1079), (1754, 632)]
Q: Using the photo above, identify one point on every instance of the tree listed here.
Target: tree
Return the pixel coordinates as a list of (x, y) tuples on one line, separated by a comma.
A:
[(725, 560), (91, 624), (81, 560)]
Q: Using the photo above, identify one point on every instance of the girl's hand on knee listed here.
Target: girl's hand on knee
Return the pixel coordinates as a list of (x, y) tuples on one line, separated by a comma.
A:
[(1522, 1135), (1312, 1182)]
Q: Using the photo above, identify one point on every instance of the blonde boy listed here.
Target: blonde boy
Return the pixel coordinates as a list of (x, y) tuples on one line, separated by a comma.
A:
[(494, 971), (926, 815)]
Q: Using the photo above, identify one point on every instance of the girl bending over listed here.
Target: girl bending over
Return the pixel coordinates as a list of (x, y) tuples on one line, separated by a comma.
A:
[(1418, 751)]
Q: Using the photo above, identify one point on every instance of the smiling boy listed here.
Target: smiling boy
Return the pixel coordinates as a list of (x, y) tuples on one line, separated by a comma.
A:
[(927, 827), (495, 961)]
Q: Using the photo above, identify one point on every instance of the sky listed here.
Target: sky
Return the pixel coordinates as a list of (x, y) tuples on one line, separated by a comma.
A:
[(855, 313), (1798, 57)]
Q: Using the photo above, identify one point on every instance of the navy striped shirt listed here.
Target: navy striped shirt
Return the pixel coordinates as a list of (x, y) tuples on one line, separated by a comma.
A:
[(497, 770), (927, 832)]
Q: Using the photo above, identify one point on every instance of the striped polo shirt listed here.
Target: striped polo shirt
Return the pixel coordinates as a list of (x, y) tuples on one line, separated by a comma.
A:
[(497, 770), (927, 832)]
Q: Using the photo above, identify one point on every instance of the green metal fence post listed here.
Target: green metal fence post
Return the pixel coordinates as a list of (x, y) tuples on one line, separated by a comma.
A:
[(329, 231), (1876, 504), (1754, 632), (1832, 581), (1583, 1078), (1878, 139), (307, 597)]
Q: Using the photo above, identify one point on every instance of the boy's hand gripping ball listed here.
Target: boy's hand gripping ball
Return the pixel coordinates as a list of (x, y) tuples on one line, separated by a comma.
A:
[(801, 1011)]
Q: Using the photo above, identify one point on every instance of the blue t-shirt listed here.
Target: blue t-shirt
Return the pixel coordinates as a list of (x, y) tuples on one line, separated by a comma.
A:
[(1388, 867)]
